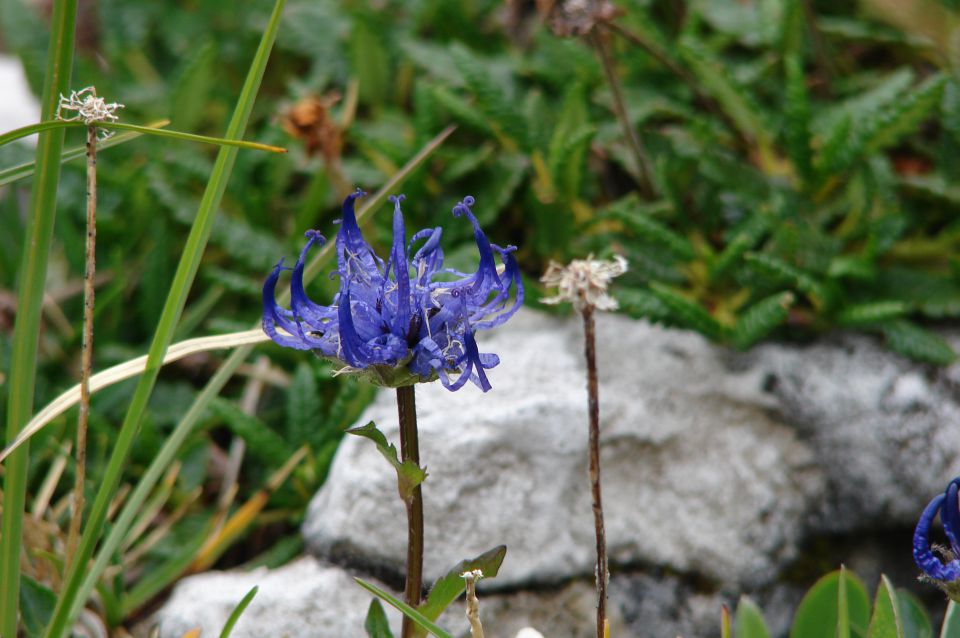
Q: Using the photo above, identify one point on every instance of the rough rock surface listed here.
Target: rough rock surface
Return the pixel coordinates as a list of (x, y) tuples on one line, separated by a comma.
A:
[(302, 599), (886, 431), (696, 476), (718, 468)]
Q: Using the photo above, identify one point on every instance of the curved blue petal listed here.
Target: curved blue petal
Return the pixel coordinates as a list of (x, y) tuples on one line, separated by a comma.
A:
[(950, 516), (400, 324), (274, 316), (487, 268), (923, 555)]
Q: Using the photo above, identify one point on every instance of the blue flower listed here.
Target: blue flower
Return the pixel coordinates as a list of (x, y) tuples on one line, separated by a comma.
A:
[(406, 320), (948, 507)]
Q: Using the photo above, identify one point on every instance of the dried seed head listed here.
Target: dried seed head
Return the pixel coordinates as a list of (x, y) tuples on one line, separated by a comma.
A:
[(584, 282), (88, 108)]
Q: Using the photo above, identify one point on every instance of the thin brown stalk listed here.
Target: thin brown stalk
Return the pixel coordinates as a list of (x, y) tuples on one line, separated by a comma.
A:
[(86, 351), (410, 451), (619, 106), (590, 353)]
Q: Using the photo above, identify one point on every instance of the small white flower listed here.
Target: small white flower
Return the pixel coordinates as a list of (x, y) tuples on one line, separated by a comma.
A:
[(88, 108), (584, 282), (475, 574)]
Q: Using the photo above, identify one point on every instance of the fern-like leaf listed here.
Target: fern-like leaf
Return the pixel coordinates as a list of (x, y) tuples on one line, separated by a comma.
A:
[(783, 272), (871, 313), (796, 110), (491, 98), (688, 313), (761, 318), (914, 342)]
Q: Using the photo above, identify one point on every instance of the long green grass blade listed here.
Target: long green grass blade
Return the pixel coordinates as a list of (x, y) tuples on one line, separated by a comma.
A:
[(45, 126), (404, 608), (70, 603), (20, 171), (238, 610), (190, 137), (33, 273), (163, 458), (52, 125)]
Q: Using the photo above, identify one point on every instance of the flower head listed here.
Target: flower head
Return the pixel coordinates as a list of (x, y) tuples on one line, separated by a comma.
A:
[(89, 108), (584, 282), (941, 565), (404, 320)]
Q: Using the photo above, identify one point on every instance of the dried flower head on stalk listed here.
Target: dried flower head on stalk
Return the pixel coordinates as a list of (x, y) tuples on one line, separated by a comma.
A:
[(584, 282), (88, 108)]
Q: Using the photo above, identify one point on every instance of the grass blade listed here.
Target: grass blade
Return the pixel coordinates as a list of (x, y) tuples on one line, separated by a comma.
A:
[(20, 171), (190, 137), (26, 332), (52, 125), (70, 603), (237, 611), (404, 608)]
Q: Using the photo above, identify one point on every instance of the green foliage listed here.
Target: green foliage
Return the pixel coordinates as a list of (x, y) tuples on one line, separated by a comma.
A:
[(409, 474), (838, 605), (376, 623), (449, 587)]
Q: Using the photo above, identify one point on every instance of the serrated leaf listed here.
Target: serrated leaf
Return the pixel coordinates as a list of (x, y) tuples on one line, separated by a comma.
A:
[(905, 115), (462, 110), (797, 114), (734, 100), (784, 272), (491, 97), (914, 342), (304, 417), (749, 621), (449, 587), (687, 312), (376, 623), (863, 314), (885, 622), (409, 474), (761, 318), (261, 441), (642, 303), (635, 218), (746, 239)]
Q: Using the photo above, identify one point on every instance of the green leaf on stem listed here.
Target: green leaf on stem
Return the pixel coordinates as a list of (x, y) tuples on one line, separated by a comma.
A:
[(820, 614), (409, 474), (448, 588), (376, 623), (405, 609)]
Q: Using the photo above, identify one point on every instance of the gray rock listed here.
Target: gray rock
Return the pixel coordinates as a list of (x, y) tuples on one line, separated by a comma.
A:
[(304, 599), (717, 466), (697, 477), (886, 430)]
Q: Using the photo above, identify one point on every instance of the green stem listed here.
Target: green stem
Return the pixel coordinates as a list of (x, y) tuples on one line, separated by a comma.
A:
[(33, 273), (410, 451)]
